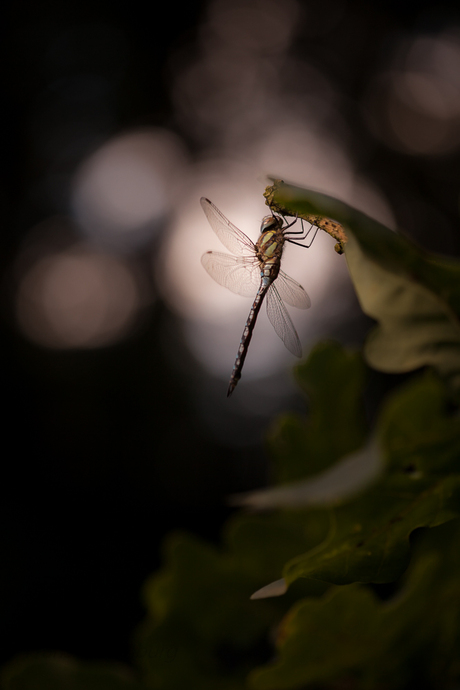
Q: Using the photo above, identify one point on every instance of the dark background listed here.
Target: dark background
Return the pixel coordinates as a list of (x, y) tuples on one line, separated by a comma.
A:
[(104, 451)]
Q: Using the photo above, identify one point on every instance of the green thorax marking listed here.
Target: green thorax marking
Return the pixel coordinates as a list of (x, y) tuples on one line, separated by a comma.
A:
[(270, 245)]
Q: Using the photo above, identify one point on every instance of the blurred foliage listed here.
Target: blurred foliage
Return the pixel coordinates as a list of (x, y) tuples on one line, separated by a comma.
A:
[(333, 380), (350, 634), (369, 537), (330, 628), (204, 592), (61, 672)]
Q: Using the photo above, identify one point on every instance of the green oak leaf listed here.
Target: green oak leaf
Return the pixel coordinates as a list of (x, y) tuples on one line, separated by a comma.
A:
[(368, 540), (363, 535), (201, 623), (416, 328), (351, 637)]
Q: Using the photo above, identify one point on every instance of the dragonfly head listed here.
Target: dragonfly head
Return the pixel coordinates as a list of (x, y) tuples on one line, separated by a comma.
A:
[(271, 223)]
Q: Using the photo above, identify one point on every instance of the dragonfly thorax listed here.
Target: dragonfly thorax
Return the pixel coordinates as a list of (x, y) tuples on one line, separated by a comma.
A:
[(269, 247)]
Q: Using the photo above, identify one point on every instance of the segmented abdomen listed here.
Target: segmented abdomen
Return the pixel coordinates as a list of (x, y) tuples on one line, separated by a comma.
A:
[(247, 335)]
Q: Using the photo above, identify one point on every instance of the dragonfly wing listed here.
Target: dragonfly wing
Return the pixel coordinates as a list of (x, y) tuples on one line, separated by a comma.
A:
[(281, 321), (240, 274), (232, 238), (292, 292)]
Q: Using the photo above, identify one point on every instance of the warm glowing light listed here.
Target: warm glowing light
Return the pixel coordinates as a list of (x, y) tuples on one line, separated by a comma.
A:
[(215, 316), (256, 110), (77, 299), (123, 191)]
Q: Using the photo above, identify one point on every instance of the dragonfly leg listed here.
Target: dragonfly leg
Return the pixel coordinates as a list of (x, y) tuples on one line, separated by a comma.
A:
[(289, 225), (305, 246), (303, 232)]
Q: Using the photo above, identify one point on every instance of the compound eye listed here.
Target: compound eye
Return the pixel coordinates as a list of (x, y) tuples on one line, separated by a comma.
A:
[(270, 223)]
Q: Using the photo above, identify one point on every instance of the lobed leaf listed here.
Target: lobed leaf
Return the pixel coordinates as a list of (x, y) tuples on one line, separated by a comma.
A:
[(416, 328), (351, 637), (368, 539)]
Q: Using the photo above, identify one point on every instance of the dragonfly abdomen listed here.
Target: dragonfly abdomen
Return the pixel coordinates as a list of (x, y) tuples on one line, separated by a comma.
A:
[(247, 335)]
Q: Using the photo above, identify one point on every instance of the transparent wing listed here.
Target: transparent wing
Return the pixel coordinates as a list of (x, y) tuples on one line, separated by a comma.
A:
[(292, 292), (240, 274), (281, 321), (232, 238)]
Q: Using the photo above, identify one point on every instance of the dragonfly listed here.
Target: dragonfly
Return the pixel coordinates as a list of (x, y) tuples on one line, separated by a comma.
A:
[(256, 268)]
